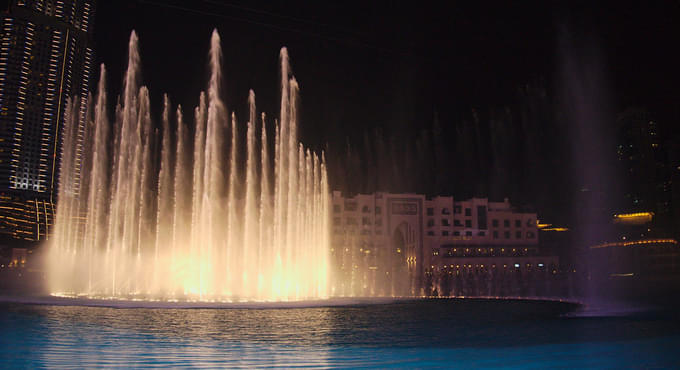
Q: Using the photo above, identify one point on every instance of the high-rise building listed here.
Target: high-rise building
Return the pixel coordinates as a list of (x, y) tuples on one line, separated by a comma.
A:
[(644, 164), (46, 57)]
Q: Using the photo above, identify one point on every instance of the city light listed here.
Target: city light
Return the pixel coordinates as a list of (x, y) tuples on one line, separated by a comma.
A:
[(635, 242), (637, 218)]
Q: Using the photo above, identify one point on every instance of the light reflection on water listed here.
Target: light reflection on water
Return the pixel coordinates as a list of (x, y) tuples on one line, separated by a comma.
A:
[(416, 334)]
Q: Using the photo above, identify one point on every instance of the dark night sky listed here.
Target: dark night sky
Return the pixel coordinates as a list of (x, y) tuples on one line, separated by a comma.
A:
[(391, 65), (366, 64)]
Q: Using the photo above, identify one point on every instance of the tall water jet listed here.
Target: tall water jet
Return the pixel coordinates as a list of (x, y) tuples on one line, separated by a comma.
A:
[(162, 215)]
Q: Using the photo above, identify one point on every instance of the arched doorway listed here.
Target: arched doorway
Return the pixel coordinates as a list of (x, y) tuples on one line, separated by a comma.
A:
[(403, 260)]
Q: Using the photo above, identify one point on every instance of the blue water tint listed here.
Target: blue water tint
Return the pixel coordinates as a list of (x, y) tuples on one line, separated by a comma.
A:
[(438, 333)]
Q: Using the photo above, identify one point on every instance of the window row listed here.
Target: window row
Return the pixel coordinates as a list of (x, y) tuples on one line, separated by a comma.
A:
[(350, 206), (365, 221), (445, 211), (518, 223), (506, 234)]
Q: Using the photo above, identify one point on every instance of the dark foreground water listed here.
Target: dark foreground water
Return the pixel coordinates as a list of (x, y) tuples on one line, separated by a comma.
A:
[(440, 333)]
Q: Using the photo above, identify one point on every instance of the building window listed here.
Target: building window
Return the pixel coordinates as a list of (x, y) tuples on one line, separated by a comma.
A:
[(350, 206), (481, 233), (456, 233), (445, 211), (351, 221), (468, 211), (481, 217), (468, 233), (336, 221), (494, 223), (506, 235), (518, 235), (430, 211), (445, 222), (435, 251), (506, 223), (518, 223), (378, 222), (365, 221), (366, 232), (495, 234), (445, 233), (430, 222), (530, 222), (530, 235), (378, 210), (456, 222), (430, 233), (468, 223), (365, 209), (456, 210), (336, 208)]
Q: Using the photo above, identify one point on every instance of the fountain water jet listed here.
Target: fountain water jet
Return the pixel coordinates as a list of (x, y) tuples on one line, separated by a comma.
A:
[(187, 226)]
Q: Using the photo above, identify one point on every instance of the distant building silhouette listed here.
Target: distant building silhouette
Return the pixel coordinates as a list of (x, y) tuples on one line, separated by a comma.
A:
[(45, 58), (643, 159)]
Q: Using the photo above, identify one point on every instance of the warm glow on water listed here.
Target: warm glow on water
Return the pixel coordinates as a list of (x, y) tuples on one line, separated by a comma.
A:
[(425, 333), (208, 209)]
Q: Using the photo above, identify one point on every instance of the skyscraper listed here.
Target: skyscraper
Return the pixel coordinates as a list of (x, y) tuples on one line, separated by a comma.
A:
[(45, 58)]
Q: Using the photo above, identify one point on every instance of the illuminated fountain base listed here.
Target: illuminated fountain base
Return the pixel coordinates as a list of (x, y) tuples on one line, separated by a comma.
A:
[(214, 211)]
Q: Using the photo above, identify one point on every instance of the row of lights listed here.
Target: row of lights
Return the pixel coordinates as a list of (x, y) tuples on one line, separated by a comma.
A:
[(635, 242)]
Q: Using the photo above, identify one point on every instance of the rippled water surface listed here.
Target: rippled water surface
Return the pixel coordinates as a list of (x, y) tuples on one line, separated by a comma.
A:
[(443, 333)]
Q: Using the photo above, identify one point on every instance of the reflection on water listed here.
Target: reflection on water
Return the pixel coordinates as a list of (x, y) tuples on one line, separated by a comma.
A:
[(422, 333)]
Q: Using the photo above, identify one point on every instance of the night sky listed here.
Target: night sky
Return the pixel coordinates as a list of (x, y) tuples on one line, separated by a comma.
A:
[(381, 73)]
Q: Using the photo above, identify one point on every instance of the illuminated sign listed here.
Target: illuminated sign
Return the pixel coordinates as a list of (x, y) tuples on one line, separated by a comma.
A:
[(403, 208)]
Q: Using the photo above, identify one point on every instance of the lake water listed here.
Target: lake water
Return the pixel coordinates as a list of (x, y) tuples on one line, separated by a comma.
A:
[(421, 333)]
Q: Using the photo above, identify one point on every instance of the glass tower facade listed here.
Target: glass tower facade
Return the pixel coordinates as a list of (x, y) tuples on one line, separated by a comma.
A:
[(46, 58)]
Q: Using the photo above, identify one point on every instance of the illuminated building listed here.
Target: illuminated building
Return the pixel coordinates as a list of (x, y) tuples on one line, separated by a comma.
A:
[(396, 244), (45, 58)]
